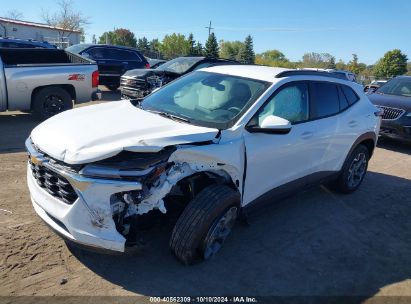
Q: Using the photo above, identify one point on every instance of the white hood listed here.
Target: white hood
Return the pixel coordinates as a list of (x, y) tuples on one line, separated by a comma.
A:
[(96, 132)]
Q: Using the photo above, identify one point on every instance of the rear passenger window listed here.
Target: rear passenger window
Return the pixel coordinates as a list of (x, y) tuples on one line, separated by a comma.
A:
[(343, 100), (350, 95), (324, 98), (123, 55), (97, 53)]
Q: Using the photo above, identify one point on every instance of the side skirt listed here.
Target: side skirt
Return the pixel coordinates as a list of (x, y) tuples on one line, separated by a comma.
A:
[(282, 192)]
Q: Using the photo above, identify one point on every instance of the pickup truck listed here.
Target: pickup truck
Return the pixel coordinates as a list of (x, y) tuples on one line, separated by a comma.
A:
[(45, 81)]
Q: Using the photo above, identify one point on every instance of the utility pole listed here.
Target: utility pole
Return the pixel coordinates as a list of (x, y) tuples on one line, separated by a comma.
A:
[(209, 28)]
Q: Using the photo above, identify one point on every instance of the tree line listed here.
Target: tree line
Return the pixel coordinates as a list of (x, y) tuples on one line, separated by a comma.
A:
[(392, 64), (175, 45)]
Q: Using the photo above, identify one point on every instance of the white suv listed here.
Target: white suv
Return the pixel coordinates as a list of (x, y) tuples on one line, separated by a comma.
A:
[(210, 144)]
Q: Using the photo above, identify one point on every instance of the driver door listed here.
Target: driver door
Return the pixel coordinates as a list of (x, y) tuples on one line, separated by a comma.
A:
[(274, 160)]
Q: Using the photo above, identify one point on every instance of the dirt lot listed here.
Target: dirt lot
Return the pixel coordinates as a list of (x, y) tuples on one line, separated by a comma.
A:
[(316, 243)]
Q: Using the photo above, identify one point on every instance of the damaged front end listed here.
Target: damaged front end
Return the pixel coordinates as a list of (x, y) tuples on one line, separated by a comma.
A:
[(170, 179), (112, 200)]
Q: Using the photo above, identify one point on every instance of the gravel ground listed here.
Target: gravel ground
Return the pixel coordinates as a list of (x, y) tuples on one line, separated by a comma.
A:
[(315, 243)]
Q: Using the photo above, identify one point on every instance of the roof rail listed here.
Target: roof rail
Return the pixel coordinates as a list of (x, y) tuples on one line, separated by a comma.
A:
[(310, 73)]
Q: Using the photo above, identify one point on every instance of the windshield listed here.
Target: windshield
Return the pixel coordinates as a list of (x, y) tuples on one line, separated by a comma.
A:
[(206, 99), (77, 48), (180, 65), (397, 86)]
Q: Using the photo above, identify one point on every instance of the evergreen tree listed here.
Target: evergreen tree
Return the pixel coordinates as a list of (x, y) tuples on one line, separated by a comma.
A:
[(247, 55), (211, 47), (331, 64), (198, 49), (191, 42), (143, 45)]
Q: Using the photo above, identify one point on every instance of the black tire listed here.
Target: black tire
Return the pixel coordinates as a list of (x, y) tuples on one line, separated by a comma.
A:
[(112, 87), (50, 101), (345, 182), (198, 221)]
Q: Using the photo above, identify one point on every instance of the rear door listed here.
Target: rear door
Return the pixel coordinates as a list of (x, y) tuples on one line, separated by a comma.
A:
[(324, 110)]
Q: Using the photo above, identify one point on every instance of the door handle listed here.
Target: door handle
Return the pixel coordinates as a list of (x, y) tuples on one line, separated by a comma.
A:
[(125, 62), (352, 124), (307, 135)]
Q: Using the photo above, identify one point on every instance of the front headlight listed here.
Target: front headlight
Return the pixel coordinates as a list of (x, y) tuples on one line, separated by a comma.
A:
[(128, 164)]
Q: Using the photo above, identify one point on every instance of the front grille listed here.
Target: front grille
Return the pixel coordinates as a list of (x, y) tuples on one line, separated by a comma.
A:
[(391, 113), (54, 183), (133, 82)]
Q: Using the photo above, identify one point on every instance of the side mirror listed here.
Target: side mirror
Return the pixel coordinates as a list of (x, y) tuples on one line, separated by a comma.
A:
[(271, 125)]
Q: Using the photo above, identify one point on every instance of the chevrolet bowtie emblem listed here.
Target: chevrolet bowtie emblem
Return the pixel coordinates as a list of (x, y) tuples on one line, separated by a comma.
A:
[(35, 161)]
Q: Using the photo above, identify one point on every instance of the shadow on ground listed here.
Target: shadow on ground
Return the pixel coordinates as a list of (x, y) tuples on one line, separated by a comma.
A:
[(16, 126), (394, 145), (316, 243)]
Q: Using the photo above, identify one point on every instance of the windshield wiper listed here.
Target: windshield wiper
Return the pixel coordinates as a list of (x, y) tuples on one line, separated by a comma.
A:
[(170, 116)]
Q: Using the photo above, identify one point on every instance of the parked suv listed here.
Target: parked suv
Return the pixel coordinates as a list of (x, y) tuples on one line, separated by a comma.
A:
[(210, 145), (113, 61), (394, 98)]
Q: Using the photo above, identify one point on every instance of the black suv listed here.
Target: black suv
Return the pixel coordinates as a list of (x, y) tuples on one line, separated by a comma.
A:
[(113, 61), (136, 84), (20, 43), (394, 98)]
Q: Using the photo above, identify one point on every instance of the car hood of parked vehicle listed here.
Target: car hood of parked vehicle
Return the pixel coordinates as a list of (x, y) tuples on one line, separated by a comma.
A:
[(147, 72), (393, 101), (93, 133)]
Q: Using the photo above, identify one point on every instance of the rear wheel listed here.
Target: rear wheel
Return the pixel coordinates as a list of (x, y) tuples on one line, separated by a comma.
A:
[(354, 170), (50, 101), (205, 223)]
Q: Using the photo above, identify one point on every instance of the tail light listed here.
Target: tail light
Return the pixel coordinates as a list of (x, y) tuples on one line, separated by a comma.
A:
[(147, 65), (95, 79)]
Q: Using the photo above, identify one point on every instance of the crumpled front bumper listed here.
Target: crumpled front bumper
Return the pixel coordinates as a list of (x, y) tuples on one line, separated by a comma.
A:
[(88, 220)]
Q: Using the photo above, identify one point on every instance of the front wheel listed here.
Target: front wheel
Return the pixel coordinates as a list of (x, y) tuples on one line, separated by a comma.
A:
[(205, 224), (353, 171)]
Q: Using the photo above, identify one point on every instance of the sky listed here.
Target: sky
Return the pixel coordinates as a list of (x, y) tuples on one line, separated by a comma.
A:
[(368, 28)]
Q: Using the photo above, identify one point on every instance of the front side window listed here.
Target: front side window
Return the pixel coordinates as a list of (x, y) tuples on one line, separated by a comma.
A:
[(206, 99), (324, 99), (203, 65), (290, 102)]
